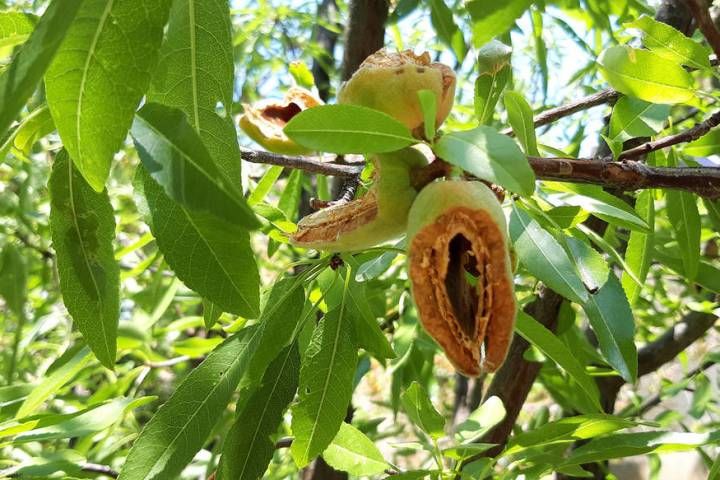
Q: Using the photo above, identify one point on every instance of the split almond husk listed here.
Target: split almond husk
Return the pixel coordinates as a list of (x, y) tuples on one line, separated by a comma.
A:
[(389, 82), (460, 269), (264, 121), (377, 217)]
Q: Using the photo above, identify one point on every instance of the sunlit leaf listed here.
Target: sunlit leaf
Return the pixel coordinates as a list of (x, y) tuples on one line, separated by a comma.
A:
[(99, 76), (348, 129), (645, 75)]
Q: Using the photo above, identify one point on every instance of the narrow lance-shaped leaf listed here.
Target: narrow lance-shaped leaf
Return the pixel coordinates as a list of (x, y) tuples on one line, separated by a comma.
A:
[(544, 257), (428, 104), (13, 279), (494, 70), (15, 27), (173, 154), (645, 75), (353, 452), (248, 446), (490, 156), (19, 80), (638, 443), (491, 19), (209, 255), (326, 382), (442, 20), (181, 426), (613, 322), (77, 360), (684, 217), (83, 230), (638, 254), (704, 146), (520, 116), (99, 76), (348, 129), (419, 408), (535, 333), (196, 73)]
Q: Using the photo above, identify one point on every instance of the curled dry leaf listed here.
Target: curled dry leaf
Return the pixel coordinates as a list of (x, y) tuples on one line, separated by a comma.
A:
[(389, 82), (264, 121), (460, 269), (377, 217)]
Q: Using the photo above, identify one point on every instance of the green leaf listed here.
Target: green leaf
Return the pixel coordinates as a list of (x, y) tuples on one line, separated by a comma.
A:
[(13, 279), (181, 425), (348, 129), (280, 317), (301, 74), (19, 80), (544, 257), (248, 446), (567, 216), (491, 19), (367, 331), (591, 265), (174, 155), (211, 313), (670, 43), (326, 383), (15, 28), (419, 408), (461, 452), (34, 127), (645, 75), (290, 197), (210, 256), (714, 473), (428, 104), (53, 382), (567, 430), (447, 30), (83, 231), (704, 146), (520, 116), (85, 422), (494, 71), (632, 118), (196, 73), (482, 420), (353, 452), (684, 217), (490, 156), (264, 185), (598, 202), (702, 395), (638, 254), (613, 322), (552, 347), (708, 275), (630, 444), (99, 76)]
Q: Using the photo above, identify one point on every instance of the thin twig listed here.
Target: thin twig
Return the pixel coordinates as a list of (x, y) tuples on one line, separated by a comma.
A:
[(309, 164), (705, 24), (555, 114), (693, 133), (102, 469)]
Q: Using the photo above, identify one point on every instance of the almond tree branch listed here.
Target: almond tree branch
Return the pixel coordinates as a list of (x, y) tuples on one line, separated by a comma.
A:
[(704, 22), (697, 131), (626, 176)]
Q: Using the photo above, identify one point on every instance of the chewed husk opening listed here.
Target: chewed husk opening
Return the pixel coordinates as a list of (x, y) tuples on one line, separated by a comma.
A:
[(272, 116), (462, 290)]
